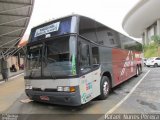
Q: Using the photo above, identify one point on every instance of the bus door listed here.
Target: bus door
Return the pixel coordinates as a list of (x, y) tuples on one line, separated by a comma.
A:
[(85, 70), (96, 74), (89, 70)]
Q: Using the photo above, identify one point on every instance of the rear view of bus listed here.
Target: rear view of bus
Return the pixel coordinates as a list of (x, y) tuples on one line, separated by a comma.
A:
[(74, 59)]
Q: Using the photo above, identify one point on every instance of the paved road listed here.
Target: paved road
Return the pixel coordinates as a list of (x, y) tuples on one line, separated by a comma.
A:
[(144, 98)]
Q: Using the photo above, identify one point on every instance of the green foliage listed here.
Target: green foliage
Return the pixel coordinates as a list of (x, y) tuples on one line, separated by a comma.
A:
[(156, 39), (136, 47), (151, 50)]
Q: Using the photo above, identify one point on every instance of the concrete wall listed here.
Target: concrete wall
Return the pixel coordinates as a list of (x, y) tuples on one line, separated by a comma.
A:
[(153, 29), (13, 60)]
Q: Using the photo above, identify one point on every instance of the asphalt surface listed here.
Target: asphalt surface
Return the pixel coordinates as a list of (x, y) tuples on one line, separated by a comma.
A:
[(145, 98)]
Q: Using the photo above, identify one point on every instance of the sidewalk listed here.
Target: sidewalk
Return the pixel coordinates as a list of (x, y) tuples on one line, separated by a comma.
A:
[(11, 74), (11, 90)]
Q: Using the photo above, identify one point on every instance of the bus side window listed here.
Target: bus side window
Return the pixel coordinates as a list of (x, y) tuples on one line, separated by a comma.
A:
[(95, 57), (84, 58)]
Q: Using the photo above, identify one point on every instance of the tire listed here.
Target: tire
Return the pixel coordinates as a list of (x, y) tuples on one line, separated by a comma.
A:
[(105, 88), (140, 69), (137, 71), (155, 65)]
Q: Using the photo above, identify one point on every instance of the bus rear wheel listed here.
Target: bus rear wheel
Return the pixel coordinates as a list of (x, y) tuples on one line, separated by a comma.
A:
[(104, 88), (137, 71)]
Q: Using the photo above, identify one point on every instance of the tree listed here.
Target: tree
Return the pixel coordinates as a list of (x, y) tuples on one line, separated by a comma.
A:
[(156, 39)]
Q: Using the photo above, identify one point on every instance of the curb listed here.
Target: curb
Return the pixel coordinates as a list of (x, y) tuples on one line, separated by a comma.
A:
[(2, 82)]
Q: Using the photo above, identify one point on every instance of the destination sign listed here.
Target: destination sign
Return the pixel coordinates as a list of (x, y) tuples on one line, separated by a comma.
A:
[(47, 29)]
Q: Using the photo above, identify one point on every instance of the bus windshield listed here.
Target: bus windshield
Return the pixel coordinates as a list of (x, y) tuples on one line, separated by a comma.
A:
[(56, 57)]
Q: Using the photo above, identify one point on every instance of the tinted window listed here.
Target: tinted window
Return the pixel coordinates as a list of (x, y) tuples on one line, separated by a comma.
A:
[(97, 32), (112, 41), (109, 34), (51, 29), (84, 58), (95, 56)]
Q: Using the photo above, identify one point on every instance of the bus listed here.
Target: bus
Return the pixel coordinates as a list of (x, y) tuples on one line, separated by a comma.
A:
[(74, 59)]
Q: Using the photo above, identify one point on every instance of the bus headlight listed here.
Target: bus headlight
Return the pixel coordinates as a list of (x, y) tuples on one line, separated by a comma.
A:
[(28, 87), (65, 89), (60, 89)]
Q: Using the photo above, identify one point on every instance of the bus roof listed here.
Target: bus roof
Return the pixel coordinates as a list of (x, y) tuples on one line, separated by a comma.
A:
[(46, 22), (78, 15)]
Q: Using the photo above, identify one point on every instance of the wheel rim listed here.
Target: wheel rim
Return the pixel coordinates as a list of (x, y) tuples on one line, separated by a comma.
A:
[(105, 88)]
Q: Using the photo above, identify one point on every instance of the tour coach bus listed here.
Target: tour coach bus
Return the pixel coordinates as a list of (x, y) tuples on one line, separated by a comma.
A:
[(73, 59)]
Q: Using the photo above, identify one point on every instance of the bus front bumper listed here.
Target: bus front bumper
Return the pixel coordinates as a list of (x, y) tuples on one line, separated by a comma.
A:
[(61, 98)]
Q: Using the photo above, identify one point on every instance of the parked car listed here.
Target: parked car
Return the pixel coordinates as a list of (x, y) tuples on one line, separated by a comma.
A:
[(144, 61), (154, 61)]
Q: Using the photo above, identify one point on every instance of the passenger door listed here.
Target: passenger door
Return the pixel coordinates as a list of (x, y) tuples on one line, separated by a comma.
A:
[(96, 77), (86, 89)]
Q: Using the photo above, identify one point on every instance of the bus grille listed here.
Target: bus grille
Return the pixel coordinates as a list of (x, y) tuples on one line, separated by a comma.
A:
[(45, 90)]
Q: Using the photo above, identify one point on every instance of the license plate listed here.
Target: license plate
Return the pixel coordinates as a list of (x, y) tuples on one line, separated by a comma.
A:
[(44, 98)]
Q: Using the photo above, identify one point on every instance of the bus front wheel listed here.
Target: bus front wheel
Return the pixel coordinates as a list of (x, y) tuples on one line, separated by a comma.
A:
[(105, 87)]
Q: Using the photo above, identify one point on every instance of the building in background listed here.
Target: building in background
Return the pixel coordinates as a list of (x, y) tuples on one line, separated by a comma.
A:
[(14, 19), (143, 20)]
